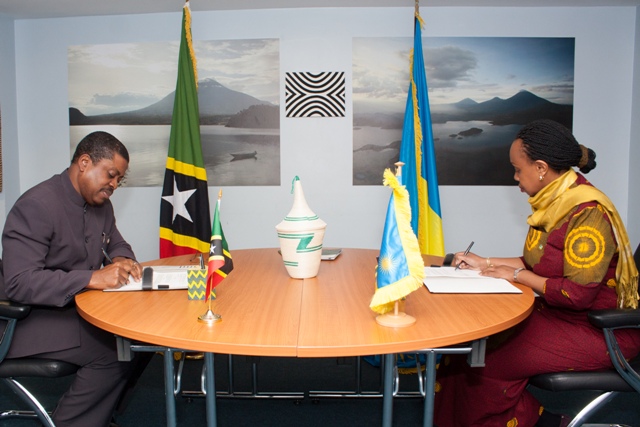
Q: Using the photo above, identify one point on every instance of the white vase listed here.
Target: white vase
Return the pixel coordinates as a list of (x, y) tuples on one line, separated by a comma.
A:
[(301, 233)]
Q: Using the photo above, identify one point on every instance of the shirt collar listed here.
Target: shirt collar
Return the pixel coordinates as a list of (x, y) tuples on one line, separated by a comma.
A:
[(70, 190)]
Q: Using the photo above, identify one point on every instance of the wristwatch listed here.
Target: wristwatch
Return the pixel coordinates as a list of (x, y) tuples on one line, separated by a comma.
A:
[(515, 273)]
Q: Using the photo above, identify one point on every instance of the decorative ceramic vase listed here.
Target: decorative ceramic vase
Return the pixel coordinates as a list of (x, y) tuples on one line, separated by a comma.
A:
[(300, 234)]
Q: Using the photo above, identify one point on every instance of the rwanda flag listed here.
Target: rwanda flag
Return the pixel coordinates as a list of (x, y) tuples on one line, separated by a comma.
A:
[(184, 208), (400, 268), (220, 262), (418, 154)]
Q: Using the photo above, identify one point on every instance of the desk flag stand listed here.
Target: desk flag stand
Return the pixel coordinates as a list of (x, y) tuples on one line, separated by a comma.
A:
[(209, 317), (400, 268), (396, 318), (216, 261)]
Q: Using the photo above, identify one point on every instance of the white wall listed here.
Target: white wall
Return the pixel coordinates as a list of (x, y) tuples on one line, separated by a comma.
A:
[(634, 152), (319, 150), (10, 189)]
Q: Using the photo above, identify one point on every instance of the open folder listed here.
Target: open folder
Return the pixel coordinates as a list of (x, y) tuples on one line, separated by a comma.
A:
[(159, 278), (452, 281)]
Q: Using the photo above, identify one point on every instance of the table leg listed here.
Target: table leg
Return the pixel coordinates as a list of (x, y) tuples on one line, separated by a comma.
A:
[(170, 399), (210, 385), (430, 386), (387, 391)]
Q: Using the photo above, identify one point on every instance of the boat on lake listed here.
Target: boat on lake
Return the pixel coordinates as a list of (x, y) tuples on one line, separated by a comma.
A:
[(242, 156)]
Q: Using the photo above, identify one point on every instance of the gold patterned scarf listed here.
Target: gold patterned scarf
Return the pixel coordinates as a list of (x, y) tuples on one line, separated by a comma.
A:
[(556, 200)]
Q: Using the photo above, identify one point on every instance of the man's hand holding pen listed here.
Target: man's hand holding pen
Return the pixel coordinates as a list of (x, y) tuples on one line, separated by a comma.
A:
[(116, 274)]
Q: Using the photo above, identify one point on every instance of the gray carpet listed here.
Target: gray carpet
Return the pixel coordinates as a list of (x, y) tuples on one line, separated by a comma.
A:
[(147, 408)]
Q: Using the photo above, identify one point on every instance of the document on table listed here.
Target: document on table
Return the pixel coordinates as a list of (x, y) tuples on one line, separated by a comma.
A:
[(165, 277), (329, 254), (451, 281)]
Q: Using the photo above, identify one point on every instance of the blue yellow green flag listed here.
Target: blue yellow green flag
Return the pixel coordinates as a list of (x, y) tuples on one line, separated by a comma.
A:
[(418, 155), (400, 268), (184, 208)]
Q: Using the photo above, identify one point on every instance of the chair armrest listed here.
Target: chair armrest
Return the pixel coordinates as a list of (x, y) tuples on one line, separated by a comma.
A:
[(10, 312), (608, 321), (615, 318), (13, 310)]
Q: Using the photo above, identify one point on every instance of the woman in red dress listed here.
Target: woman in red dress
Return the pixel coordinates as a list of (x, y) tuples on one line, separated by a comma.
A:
[(577, 258)]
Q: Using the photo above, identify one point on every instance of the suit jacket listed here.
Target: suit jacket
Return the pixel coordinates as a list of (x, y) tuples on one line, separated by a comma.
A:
[(52, 242)]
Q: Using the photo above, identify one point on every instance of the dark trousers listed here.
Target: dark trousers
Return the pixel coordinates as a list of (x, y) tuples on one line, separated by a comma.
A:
[(98, 384)]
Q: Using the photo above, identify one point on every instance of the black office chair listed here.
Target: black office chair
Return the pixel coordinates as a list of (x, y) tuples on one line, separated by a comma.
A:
[(611, 382), (10, 369)]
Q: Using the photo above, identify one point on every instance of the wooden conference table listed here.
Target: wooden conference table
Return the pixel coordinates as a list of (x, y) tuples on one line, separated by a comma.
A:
[(267, 313)]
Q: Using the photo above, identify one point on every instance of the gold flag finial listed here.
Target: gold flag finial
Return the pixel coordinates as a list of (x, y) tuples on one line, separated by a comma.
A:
[(417, 7)]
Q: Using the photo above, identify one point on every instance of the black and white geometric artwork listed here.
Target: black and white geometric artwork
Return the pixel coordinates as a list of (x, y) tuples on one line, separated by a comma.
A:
[(315, 94)]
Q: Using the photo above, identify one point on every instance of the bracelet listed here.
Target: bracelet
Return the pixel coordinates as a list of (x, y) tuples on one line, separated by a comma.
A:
[(488, 262), (515, 273)]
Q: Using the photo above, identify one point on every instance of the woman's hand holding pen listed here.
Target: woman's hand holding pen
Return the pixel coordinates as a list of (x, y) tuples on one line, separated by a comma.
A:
[(115, 275), (469, 261)]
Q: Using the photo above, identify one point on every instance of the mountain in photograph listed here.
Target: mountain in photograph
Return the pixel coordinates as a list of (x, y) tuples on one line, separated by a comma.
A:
[(218, 105), (519, 109)]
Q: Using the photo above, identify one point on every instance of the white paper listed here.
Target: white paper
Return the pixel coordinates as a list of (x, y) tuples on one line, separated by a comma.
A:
[(463, 281), (165, 277)]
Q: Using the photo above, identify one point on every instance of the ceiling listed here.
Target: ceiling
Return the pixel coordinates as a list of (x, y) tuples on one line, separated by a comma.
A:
[(33, 9)]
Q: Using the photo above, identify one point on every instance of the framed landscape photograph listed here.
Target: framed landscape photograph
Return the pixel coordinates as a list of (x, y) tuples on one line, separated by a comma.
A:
[(128, 90), (482, 90)]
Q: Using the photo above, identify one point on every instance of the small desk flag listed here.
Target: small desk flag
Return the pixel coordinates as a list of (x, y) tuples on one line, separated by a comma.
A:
[(184, 208), (418, 154), (400, 268), (220, 262)]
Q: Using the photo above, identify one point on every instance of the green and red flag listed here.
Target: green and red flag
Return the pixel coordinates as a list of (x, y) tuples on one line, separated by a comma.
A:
[(220, 262), (184, 208)]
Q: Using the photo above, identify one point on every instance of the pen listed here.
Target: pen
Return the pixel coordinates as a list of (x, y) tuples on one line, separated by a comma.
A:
[(105, 240), (106, 255), (465, 253)]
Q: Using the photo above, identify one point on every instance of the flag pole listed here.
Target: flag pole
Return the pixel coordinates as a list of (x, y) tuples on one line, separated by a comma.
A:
[(210, 317), (396, 318)]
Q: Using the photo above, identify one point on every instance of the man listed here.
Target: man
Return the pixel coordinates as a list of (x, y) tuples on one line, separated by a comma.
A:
[(60, 238)]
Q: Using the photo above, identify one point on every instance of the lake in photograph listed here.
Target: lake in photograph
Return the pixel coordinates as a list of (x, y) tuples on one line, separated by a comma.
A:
[(467, 153), (148, 146)]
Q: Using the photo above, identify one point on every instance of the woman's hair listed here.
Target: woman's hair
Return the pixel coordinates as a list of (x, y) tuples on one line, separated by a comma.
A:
[(554, 144), (100, 145)]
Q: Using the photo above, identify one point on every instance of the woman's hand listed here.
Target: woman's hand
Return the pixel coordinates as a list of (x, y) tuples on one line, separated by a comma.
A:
[(499, 271), (469, 261)]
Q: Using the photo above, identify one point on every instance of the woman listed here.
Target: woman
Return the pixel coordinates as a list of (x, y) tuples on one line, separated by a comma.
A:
[(577, 257)]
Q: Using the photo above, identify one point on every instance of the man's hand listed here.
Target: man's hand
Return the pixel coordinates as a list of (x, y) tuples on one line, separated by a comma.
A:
[(116, 275)]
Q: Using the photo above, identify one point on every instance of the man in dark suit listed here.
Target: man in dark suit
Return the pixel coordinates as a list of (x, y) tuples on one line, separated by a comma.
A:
[(60, 238)]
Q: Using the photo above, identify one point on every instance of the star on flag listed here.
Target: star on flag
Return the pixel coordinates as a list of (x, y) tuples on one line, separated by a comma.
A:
[(179, 202)]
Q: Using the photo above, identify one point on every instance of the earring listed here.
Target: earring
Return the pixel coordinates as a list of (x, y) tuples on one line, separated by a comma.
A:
[(541, 177)]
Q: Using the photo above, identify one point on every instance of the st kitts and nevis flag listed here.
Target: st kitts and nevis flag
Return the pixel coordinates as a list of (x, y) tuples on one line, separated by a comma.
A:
[(400, 268), (184, 208), (418, 155), (220, 262)]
